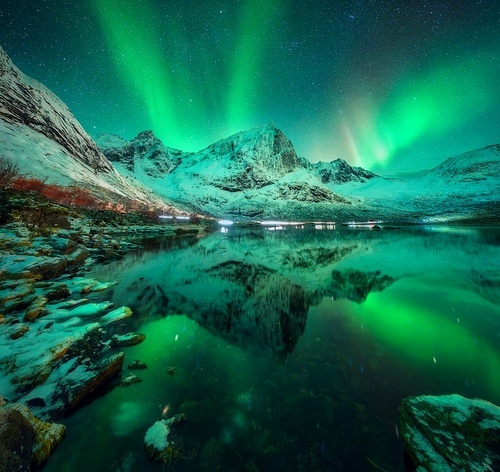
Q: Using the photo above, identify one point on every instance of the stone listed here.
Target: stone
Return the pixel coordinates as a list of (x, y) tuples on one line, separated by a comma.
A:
[(159, 445), (137, 365), (16, 441), (46, 435), (130, 379), (75, 390), (127, 340), (19, 331), (450, 433), (36, 309), (58, 292)]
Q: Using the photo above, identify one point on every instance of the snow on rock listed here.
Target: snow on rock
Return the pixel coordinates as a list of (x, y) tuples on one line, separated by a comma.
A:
[(340, 172), (450, 432), (116, 315), (126, 340), (159, 448)]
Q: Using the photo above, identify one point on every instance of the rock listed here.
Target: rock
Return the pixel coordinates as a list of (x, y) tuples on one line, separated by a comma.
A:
[(450, 433), (127, 340), (50, 268), (77, 386), (47, 435), (16, 441), (129, 380), (159, 447), (36, 309), (19, 331), (58, 292), (170, 371), (117, 315), (137, 365)]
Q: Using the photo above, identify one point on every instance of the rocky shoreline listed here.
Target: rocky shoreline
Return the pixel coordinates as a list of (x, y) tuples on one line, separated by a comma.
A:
[(56, 350)]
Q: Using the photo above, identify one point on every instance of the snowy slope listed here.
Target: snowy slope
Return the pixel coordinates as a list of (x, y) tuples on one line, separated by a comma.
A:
[(24, 101), (257, 174), (251, 174), (340, 172), (40, 133), (461, 188)]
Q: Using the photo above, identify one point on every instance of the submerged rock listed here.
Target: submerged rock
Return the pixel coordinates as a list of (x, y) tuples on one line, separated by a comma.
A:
[(450, 433), (130, 379), (137, 365), (159, 447)]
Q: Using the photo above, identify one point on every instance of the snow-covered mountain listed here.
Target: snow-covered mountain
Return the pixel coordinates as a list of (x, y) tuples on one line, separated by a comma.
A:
[(40, 133), (257, 174), (250, 174), (340, 172)]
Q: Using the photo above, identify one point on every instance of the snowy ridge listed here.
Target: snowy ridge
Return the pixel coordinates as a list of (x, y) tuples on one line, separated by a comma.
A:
[(257, 174), (340, 172), (250, 174), (39, 132), (25, 101)]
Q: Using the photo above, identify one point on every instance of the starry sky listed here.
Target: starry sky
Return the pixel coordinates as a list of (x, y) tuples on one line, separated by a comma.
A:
[(394, 86)]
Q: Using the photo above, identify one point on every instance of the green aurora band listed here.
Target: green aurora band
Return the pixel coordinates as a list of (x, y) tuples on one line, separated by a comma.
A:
[(182, 90), (428, 104), (196, 89)]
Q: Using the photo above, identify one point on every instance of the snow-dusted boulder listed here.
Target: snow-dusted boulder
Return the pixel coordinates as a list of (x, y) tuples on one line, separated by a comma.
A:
[(450, 433), (158, 442)]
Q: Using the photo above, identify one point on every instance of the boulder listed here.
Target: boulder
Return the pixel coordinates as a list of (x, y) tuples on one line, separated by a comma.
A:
[(450, 433), (16, 441), (127, 340), (130, 379), (158, 443), (46, 435), (137, 365)]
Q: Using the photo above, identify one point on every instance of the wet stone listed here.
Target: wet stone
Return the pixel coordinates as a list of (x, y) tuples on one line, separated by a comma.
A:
[(137, 365), (130, 379), (450, 432)]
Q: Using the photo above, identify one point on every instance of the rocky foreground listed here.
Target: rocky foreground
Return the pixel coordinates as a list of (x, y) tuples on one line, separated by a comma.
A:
[(450, 433), (57, 348)]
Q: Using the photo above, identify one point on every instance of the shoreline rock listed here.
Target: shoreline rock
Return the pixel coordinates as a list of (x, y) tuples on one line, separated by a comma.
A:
[(450, 432)]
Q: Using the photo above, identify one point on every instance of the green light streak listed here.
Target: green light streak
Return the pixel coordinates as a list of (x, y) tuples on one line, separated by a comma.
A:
[(138, 57), (431, 103), (430, 340), (257, 20)]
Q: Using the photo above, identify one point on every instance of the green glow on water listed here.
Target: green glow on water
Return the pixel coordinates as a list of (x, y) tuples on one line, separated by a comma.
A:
[(417, 332)]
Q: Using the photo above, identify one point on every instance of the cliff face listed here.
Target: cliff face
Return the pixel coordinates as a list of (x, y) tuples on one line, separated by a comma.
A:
[(24, 101)]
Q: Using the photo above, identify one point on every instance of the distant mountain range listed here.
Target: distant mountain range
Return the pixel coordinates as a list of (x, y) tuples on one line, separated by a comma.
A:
[(253, 174)]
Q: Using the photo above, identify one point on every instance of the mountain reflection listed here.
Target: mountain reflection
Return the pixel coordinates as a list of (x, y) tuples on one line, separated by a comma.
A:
[(254, 288)]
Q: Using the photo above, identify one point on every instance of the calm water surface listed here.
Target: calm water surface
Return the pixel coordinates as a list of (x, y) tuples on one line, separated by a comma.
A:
[(292, 349)]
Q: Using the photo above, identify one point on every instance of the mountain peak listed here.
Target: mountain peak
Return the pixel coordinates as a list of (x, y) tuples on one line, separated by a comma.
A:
[(148, 134), (339, 171)]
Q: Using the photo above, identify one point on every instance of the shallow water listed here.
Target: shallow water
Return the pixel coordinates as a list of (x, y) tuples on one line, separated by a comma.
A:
[(292, 349)]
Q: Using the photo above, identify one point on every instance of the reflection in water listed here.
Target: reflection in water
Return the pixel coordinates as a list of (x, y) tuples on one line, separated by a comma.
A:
[(290, 350)]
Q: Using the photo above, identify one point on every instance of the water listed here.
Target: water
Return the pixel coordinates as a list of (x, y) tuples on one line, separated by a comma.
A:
[(291, 350)]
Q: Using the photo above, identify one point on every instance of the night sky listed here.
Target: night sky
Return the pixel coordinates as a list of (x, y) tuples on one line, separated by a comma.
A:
[(394, 86)]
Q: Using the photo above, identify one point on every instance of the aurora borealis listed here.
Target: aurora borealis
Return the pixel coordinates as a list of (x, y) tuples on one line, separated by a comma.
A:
[(389, 85)]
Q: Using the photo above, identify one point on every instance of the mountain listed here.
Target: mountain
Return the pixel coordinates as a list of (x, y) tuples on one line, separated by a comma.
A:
[(257, 174), (251, 174), (480, 165), (40, 133), (340, 172)]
